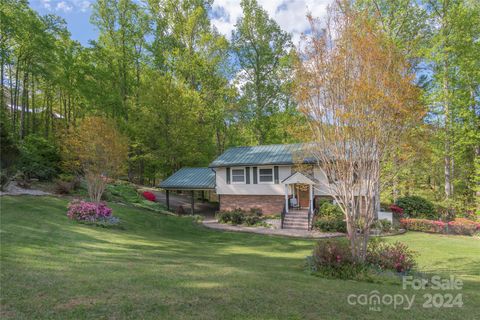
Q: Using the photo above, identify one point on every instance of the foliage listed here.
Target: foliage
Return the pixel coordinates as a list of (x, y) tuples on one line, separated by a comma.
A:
[(415, 206), (330, 224), (238, 216), (459, 226), (88, 211), (251, 220), (8, 150), (383, 225), (333, 258), (149, 196), (390, 256), (463, 226), (96, 148), (123, 191), (65, 184), (396, 210), (265, 57), (355, 86), (330, 218), (260, 264), (39, 158)]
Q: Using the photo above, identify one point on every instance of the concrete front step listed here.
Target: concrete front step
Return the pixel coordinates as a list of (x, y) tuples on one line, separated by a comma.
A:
[(296, 225), (295, 228)]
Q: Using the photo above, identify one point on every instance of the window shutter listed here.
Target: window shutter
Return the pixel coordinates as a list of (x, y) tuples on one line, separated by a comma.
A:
[(228, 175), (247, 175), (275, 174), (255, 175)]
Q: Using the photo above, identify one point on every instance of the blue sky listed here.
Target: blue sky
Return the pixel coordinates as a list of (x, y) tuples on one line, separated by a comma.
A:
[(289, 14)]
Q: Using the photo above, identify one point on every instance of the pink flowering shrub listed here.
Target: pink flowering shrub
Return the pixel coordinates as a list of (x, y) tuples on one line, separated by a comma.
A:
[(149, 196), (390, 256), (88, 211), (423, 225), (461, 226)]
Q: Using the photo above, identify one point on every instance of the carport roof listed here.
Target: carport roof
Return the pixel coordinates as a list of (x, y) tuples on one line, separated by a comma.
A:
[(190, 179)]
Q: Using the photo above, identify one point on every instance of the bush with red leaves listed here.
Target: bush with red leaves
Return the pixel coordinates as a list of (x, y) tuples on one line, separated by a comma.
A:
[(149, 196)]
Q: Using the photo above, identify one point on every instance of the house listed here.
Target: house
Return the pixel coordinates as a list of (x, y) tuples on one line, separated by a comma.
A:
[(276, 178)]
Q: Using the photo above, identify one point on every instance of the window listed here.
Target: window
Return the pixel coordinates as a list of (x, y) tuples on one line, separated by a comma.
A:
[(238, 175), (265, 175)]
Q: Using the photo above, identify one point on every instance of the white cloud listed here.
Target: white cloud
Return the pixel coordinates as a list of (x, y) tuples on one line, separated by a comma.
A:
[(63, 6), (289, 14), (66, 5)]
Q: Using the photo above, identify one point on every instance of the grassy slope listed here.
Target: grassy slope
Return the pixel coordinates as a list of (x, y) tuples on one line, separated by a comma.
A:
[(167, 267)]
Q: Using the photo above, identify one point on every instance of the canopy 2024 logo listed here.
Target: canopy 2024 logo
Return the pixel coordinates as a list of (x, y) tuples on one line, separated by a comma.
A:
[(447, 298)]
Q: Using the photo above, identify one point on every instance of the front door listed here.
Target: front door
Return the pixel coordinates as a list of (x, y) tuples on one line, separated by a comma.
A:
[(303, 195)]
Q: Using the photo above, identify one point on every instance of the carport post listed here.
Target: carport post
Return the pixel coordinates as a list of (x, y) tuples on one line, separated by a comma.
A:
[(193, 202), (167, 195)]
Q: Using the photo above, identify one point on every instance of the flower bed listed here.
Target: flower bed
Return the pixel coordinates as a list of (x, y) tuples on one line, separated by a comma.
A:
[(238, 216), (91, 212), (333, 258), (459, 226)]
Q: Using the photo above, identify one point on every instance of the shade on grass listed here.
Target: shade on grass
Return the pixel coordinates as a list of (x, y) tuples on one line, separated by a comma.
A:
[(168, 267)]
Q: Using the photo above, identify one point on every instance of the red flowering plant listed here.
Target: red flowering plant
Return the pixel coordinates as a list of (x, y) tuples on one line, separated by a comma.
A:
[(149, 196), (396, 210)]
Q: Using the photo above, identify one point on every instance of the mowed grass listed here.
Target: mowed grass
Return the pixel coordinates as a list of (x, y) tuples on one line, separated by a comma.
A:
[(164, 267)]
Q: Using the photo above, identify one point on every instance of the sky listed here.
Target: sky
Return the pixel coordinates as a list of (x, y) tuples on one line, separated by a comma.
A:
[(289, 14)]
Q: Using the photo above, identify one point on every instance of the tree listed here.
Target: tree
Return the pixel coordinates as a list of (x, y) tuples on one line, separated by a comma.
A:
[(96, 149), (356, 89), (265, 55)]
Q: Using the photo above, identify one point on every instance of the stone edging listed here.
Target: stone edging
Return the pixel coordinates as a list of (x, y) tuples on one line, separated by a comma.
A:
[(212, 224)]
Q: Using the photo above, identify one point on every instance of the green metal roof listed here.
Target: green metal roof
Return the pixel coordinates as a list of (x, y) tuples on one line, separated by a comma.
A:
[(190, 178), (276, 154)]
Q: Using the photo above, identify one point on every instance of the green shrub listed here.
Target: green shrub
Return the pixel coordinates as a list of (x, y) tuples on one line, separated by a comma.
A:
[(256, 211), (383, 225), (252, 220), (124, 192), (330, 224), (417, 207), (333, 259), (390, 256), (330, 218), (237, 216), (330, 210), (39, 158), (66, 183), (223, 216)]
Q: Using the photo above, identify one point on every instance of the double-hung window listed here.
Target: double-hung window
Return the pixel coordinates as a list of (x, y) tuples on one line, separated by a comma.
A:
[(238, 175), (265, 175)]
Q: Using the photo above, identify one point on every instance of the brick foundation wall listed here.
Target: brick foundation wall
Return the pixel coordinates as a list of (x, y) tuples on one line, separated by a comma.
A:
[(268, 204)]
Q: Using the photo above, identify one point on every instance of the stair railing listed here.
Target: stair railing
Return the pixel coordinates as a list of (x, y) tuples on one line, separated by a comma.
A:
[(284, 212), (310, 218)]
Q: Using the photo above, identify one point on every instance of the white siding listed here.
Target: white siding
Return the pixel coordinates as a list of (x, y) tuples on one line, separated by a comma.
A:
[(251, 189), (322, 188)]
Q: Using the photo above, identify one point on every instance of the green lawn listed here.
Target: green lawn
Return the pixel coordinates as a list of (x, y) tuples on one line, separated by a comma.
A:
[(168, 267)]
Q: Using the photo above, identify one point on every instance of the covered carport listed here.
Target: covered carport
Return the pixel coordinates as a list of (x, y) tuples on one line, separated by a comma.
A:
[(190, 180)]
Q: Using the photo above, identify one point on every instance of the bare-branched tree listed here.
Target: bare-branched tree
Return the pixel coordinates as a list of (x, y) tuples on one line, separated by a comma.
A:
[(355, 88)]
